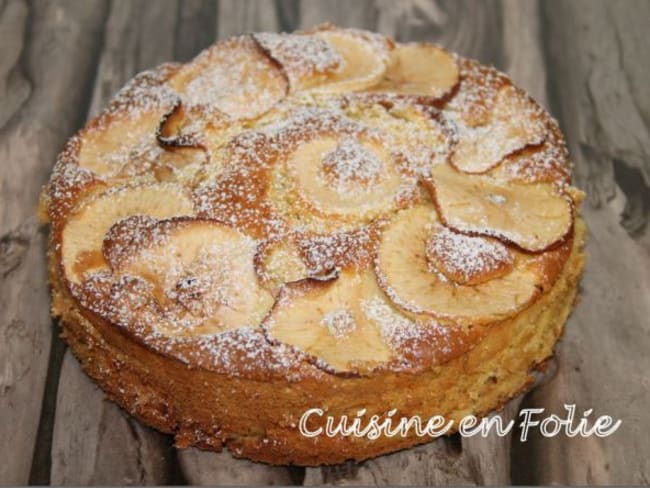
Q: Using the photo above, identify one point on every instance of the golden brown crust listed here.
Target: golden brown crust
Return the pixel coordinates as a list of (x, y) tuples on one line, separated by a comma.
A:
[(153, 387), (218, 231)]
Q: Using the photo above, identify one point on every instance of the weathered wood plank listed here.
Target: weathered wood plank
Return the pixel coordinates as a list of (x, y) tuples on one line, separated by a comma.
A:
[(360, 13), (469, 28), (43, 97), (602, 365), (599, 89), (603, 361), (42, 458), (195, 28), (606, 75), (205, 468), (139, 36), (235, 17), (522, 45), (93, 441), (14, 86)]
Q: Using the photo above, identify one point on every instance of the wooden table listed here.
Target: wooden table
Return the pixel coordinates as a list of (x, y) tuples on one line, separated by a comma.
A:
[(587, 61)]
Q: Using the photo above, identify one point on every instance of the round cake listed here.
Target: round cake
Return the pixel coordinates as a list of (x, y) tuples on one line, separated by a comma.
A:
[(325, 221)]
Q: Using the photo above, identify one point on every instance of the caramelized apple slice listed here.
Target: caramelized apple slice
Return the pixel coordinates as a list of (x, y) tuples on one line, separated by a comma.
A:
[(108, 144), (467, 260), (549, 161), (533, 216), (514, 122), (414, 282), (325, 320), (123, 146), (331, 170), (345, 175), (127, 126), (363, 65), (202, 275), (68, 184), (84, 232), (318, 256), (233, 76), (476, 93), (347, 325), (382, 44), (419, 69), (307, 60)]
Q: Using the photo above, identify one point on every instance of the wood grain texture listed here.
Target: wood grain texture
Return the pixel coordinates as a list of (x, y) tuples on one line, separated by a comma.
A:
[(235, 17), (100, 444), (39, 111), (602, 362), (600, 54), (195, 28), (205, 468), (585, 60), (139, 36)]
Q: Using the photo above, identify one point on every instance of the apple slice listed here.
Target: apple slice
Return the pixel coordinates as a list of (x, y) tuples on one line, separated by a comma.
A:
[(419, 69), (235, 77), (324, 320), (345, 175), (414, 282), (186, 127), (127, 126), (382, 44), (362, 64), (108, 144), (418, 134), (202, 276), (84, 232), (348, 326), (307, 60), (331, 169), (534, 216), (549, 161), (467, 260), (514, 122)]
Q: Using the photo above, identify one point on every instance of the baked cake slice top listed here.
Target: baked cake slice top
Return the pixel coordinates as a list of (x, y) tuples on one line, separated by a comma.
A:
[(327, 197)]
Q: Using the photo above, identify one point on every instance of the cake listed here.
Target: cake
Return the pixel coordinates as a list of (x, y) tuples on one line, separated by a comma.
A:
[(324, 219)]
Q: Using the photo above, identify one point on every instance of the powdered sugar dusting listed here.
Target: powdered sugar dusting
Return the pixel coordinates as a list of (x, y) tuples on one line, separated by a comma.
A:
[(416, 342), (546, 162), (464, 258), (301, 56), (234, 77), (340, 322), (350, 164), (332, 252), (147, 92), (395, 328), (512, 123)]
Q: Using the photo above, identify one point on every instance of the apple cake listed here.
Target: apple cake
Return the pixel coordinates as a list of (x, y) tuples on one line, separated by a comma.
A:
[(321, 219)]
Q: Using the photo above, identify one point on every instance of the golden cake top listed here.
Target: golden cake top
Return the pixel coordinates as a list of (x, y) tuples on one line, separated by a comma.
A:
[(322, 202)]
